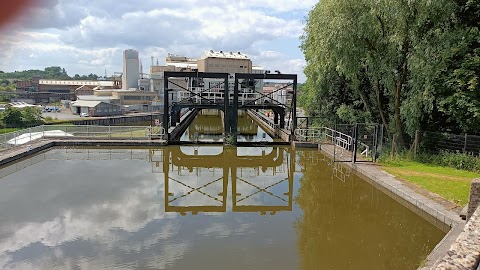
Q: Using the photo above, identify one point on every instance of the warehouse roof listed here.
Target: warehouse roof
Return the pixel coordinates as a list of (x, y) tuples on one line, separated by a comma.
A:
[(222, 54), (86, 103)]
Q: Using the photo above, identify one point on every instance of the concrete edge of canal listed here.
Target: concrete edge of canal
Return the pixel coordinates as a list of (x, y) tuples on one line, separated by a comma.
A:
[(41, 145)]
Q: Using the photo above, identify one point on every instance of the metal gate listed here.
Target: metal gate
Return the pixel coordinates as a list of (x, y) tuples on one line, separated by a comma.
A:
[(366, 142), (356, 142)]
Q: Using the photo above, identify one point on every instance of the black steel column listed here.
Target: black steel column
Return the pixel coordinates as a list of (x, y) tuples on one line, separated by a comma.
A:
[(355, 145), (166, 111), (294, 109), (275, 117), (234, 111), (226, 108)]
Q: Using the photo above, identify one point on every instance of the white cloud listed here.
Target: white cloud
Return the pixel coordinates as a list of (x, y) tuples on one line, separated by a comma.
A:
[(86, 37)]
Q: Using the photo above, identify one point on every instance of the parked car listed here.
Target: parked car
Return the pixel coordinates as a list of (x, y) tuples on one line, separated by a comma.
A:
[(84, 114)]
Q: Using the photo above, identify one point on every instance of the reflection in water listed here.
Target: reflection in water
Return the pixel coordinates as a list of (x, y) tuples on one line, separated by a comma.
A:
[(200, 208), (271, 168), (209, 127), (356, 222)]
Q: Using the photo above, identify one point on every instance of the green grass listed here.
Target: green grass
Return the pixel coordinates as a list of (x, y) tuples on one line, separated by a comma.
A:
[(452, 184), (7, 130)]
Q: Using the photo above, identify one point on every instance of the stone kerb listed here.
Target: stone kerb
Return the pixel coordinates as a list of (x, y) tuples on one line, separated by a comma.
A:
[(474, 200), (464, 253)]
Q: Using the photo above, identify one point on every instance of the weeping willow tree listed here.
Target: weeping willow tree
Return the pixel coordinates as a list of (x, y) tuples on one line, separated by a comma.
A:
[(385, 60)]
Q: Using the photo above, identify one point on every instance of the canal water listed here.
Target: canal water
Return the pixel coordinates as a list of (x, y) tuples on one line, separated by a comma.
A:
[(208, 127), (202, 207), (208, 207)]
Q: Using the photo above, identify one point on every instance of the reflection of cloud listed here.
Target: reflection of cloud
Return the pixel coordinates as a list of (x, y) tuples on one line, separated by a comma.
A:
[(103, 218), (255, 151), (103, 223), (221, 230), (204, 150)]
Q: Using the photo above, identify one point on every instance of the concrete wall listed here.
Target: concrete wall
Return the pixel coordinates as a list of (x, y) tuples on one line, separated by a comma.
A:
[(227, 65), (119, 120), (104, 109)]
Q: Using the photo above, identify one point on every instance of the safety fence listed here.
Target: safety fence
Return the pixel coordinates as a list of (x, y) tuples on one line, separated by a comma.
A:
[(30, 135), (324, 135), (434, 142), (351, 141), (269, 122)]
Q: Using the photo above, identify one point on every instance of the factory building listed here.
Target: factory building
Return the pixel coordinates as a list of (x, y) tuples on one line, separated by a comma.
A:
[(131, 69), (145, 93), (210, 61), (69, 86), (225, 62), (94, 108)]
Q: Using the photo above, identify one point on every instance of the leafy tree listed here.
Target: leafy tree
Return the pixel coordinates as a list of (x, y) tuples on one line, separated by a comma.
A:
[(12, 117), (54, 72), (395, 58), (31, 116)]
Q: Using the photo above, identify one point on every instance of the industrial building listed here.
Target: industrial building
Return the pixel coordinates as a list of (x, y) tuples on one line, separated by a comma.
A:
[(68, 86), (224, 62), (145, 93), (210, 61), (28, 85), (94, 108)]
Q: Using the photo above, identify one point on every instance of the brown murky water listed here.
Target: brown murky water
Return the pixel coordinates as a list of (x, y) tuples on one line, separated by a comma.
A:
[(208, 127), (201, 208), (208, 207)]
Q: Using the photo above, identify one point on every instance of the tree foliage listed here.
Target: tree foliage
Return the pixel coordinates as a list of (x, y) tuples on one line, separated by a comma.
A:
[(406, 64), (14, 117), (54, 73)]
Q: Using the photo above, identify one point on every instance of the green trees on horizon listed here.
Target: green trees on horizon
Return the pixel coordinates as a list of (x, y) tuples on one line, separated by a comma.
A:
[(54, 73), (406, 64)]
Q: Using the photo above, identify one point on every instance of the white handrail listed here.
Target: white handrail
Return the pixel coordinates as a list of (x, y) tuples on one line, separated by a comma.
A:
[(337, 138)]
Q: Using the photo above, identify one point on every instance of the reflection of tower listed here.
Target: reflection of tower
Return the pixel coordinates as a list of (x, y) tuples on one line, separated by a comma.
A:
[(131, 69)]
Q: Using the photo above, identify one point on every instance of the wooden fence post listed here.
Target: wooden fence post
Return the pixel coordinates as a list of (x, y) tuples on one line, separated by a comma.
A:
[(393, 146), (415, 144)]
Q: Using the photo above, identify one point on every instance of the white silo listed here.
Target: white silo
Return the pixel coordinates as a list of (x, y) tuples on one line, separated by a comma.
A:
[(131, 69)]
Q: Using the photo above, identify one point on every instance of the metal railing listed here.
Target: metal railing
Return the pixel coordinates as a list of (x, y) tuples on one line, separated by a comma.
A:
[(202, 96), (268, 122), (30, 135), (325, 135)]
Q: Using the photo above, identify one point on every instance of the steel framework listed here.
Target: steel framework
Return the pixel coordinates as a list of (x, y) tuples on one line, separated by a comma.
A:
[(228, 103)]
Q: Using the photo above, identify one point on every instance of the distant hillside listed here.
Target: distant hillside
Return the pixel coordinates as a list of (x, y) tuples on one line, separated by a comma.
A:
[(54, 73)]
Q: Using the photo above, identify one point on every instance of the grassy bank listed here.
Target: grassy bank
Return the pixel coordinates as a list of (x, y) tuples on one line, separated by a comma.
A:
[(452, 184), (7, 130)]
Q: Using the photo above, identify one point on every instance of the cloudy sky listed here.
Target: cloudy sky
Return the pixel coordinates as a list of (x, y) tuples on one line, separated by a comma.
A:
[(86, 36)]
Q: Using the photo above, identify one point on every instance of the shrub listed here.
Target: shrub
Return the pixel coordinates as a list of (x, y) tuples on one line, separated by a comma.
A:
[(455, 160)]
